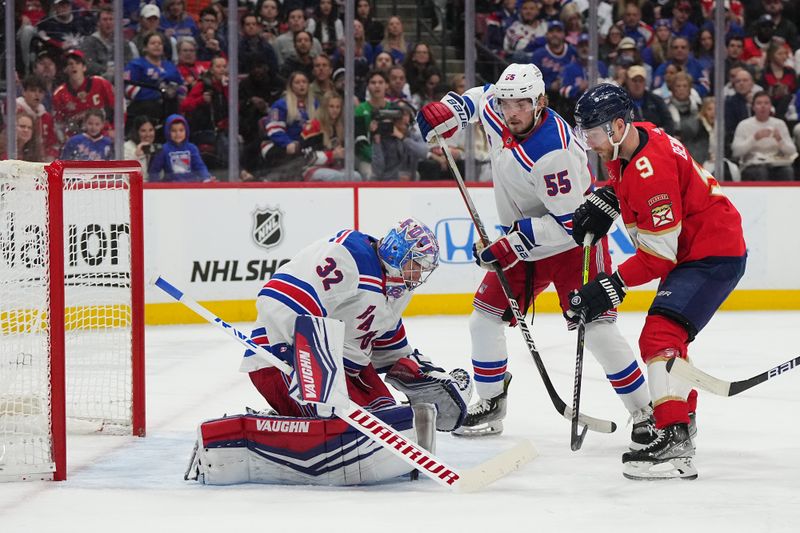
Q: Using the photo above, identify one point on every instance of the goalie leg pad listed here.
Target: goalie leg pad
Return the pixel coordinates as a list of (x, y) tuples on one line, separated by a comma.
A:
[(300, 451), (449, 392)]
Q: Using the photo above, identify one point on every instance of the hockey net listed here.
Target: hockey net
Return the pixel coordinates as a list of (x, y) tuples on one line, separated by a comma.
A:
[(71, 309)]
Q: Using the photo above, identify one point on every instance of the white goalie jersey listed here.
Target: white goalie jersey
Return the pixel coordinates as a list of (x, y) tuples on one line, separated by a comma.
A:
[(339, 278), (539, 180)]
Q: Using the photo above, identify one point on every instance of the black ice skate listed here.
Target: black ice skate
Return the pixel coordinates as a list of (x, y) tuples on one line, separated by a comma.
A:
[(486, 416), (668, 457), (644, 430)]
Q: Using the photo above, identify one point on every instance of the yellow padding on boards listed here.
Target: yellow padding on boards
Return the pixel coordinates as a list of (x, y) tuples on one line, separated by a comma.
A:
[(18, 321), (461, 304)]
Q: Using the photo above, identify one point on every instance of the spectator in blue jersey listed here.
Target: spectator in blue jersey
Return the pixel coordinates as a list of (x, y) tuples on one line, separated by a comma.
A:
[(575, 76), (283, 144), (395, 42), (153, 83), (178, 159), (679, 50), (553, 57), (91, 145), (175, 22), (498, 23), (681, 25), (633, 27), (658, 51)]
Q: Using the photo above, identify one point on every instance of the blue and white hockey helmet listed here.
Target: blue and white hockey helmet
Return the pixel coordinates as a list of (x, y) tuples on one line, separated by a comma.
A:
[(409, 253)]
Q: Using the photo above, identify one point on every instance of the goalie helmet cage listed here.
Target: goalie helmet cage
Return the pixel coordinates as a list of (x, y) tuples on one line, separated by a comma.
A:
[(71, 309)]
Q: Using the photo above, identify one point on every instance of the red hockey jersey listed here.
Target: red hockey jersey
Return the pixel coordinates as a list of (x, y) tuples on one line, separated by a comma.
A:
[(69, 105), (674, 209)]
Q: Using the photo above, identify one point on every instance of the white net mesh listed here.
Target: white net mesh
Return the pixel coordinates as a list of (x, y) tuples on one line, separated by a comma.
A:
[(98, 315)]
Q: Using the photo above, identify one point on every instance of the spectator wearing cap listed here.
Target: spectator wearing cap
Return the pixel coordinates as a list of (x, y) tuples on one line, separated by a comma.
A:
[(45, 68), (253, 46), (30, 102), (762, 144), (525, 34), (681, 25), (99, 46), (628, 55), (680, 56), (658, 51), (573, 23), (755, 46), (80, 93), (782, 26), (576, 75), (647, 106), (149, 21), (175, 22), (64, 30), (553, 57), (284, 43), (633, 26), (498, 24)]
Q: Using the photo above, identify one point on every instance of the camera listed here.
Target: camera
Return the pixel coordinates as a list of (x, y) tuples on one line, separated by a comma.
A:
[(385, 119)]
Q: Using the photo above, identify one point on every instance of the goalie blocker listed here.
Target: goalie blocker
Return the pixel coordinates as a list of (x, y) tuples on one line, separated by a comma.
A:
[(307, 451)]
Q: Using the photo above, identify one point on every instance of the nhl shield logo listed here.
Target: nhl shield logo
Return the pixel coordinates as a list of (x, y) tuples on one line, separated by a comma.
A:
[(267, 227)]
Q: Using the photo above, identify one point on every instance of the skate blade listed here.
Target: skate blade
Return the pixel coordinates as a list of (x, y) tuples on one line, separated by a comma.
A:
[(494, 427), (678, 468)]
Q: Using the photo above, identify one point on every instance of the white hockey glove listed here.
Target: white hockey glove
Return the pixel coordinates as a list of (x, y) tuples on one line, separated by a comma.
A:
[(422, 382), (504, 252)]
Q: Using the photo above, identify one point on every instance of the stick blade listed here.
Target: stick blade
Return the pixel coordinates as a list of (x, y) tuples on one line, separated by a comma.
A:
[(497, 467), (688, 372), (595, 424)]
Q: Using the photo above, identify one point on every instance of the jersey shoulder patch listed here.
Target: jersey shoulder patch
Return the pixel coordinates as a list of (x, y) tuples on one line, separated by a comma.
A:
[(360, 247)]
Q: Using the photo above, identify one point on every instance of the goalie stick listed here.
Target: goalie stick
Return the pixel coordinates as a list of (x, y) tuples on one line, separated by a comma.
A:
[(595, 424), (689, 372), (379, 432)]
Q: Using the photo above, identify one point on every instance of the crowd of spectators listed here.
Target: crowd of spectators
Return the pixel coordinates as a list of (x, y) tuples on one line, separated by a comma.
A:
[(291, 77)]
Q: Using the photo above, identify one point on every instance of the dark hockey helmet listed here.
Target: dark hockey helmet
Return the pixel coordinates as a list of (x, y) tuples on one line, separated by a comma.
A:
[(601, 104)]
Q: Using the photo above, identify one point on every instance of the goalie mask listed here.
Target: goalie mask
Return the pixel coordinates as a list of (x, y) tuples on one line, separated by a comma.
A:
[(409, 253)]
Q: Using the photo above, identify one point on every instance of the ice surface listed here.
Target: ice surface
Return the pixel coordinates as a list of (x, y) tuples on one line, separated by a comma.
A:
[(748, 450)]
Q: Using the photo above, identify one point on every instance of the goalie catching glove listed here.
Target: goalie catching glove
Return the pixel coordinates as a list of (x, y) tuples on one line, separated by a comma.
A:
[(422, 382), (443, 118)]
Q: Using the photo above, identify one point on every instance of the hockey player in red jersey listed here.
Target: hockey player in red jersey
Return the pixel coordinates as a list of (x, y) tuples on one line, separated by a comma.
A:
[(687, 234)]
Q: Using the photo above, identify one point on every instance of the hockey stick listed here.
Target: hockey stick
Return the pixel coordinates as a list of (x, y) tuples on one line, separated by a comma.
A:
[(595, 424), (689, 372), (377, 431), (576, 439)]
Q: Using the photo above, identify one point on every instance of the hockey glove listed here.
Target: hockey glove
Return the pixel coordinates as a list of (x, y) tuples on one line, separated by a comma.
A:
[(422, 382), (504, 252), (443, 118), (595, 215), (596, 297)]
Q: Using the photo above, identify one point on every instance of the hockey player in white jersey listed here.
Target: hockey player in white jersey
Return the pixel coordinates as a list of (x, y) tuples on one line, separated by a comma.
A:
[(540, 175), (367, 284)]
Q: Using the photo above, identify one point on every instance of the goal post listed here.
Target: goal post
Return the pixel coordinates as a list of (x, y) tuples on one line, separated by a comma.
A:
[(71, 309)]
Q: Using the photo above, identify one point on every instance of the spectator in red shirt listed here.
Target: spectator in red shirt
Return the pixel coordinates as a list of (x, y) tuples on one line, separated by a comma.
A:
[(779, 80)]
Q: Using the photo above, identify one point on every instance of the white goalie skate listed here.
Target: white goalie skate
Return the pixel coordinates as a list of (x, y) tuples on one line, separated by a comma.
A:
[(486, 417)]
